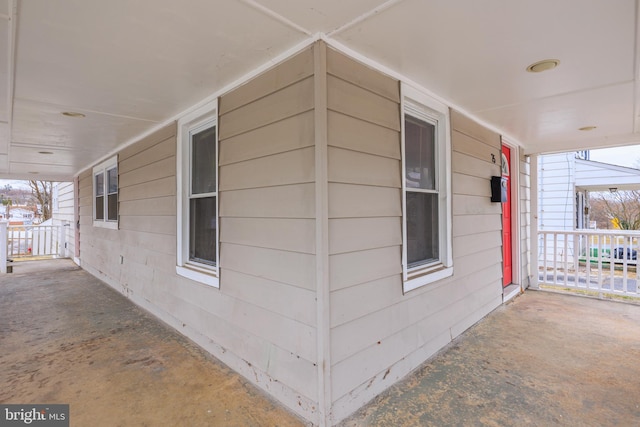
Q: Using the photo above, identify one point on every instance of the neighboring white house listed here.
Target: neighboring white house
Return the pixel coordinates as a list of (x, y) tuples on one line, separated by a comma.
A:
[(565, 181), (20, 214)]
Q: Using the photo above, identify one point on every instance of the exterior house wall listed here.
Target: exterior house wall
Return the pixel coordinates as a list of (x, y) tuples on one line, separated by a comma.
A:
[(62, 215), (318, 124), (556, 195), (378, 334), (261, 321), (365, 228), (267, 223)]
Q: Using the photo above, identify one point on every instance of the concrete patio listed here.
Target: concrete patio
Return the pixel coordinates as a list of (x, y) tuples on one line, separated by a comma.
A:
[(544, 359)]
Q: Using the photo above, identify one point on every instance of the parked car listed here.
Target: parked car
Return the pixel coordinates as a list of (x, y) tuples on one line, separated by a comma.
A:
[(618, 253)]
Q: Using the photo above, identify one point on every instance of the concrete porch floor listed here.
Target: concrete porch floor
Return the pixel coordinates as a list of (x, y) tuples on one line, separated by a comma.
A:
[(544, 359)]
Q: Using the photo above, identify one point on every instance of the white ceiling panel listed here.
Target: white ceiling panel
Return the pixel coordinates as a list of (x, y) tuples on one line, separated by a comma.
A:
[(147, 59), (131, 64), (43, 127), (321, 16), (44, 124), (34, 171), (551, 120), (475, 53), (44, 155)]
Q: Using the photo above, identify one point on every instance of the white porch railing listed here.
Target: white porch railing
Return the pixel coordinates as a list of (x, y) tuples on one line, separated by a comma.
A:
[(24, 241), (603, 261)]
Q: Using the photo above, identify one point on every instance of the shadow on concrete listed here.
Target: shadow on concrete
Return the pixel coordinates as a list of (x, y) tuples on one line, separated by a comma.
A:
[(544, 359)]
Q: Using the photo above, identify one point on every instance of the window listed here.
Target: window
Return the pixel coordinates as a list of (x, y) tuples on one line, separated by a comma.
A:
[(105, 194), (426, 159), (198, 195)]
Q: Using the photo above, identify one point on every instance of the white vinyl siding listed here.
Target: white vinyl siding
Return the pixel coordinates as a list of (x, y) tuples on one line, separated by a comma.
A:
[(63, 215)]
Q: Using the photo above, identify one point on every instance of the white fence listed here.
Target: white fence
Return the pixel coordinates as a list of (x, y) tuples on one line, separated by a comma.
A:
[(24, 241), (600, 261)]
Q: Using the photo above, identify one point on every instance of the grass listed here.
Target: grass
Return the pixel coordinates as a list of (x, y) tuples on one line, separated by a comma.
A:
[(593, 293)]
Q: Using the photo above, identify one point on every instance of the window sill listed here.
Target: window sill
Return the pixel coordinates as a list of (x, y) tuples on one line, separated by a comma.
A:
[(106, 224), (417, 279), (200, 275)]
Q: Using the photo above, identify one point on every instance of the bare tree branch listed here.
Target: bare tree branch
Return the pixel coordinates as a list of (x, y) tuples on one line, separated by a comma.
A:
[(41, 192), (621, 207)]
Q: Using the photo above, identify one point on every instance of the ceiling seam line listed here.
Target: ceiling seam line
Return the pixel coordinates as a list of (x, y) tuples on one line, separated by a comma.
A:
[(364, 16), (276, 16), (573, 92), (104, 113)]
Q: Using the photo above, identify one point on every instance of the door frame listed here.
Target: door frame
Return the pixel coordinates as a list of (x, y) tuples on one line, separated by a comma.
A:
[(76, 219), (516, 220)]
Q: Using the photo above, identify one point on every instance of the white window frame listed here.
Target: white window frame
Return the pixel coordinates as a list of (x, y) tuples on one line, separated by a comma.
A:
[(200, 119), (421, 106), (103, 168)]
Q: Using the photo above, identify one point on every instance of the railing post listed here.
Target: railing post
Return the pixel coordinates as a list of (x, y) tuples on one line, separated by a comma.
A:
[(62, 242), (3, 247), (533, 234)]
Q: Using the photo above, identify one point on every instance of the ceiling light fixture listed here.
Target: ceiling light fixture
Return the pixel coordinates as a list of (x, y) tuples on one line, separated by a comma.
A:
[(45, 152), (73, 114), (587, 128), (544, 65)]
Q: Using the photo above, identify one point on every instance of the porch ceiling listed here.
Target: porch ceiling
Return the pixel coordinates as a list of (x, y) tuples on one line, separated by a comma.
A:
[(131, 65)]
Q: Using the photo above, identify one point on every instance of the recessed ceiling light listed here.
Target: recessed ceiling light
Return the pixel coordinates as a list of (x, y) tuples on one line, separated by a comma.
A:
[(73, 114), (544, 65), (45, 152), (587, 128)]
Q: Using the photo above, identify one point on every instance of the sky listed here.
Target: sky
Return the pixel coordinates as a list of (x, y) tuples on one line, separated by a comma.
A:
[(14, 183), (622, 156)]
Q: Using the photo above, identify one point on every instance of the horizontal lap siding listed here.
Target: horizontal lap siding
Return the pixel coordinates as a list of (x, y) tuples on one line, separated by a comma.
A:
[(379, 334), (365, 206), (64, 216), (556, 195), (267, 239), (144, 245), (267, 219)]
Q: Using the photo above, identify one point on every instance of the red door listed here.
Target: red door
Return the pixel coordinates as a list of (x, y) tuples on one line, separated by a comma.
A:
[(507, 267)]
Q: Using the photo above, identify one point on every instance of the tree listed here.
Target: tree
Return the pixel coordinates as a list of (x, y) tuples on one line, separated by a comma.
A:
[(621, 207), (41, 192), (598, 212)]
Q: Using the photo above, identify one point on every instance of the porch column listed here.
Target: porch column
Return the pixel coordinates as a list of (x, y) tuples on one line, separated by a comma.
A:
[(3, 247), (533, 282)]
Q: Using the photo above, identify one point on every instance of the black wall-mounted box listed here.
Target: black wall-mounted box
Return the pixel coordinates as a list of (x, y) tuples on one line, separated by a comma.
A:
[(499, 189)]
